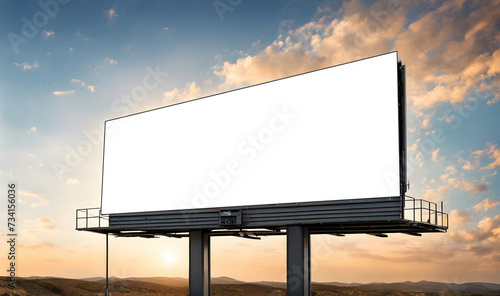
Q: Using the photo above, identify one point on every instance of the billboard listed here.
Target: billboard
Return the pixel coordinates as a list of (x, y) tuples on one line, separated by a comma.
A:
[(330, 134)]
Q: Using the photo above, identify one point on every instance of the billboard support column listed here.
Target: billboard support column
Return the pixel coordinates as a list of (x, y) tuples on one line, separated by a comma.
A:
[(199, 263), (298, 260), (107, 264)]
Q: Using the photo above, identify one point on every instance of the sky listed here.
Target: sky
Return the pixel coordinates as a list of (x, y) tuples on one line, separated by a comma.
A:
[(67, 66)]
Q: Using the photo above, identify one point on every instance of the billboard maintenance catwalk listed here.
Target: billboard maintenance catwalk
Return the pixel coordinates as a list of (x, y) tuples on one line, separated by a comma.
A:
[(319, 152)]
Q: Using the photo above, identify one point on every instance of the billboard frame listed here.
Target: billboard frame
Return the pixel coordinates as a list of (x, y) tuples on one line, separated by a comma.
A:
[(401, 117), (191, 219)]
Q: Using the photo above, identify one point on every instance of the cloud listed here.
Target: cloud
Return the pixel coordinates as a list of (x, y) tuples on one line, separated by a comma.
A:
[(486, 204), (73, 181), (494, 100), (27, 67), (276, 61), (111, 61), (419, 158), (30, 193), (476, 188), (39, 246), (434, 195), (37, 198), (451, 169), (467, 164), (360, 31), (32, 130), (190, 91), (62, 92), (39, 227), (494, 67), (459, 218), (426, 124), (484, 240), (447, 118), (495, 155), (435, 154), (91, 88), (131, 49), (450, 65), (48, 33), (478, 153), (479, 188), (40, 202), (455, 61), (112, 14), (45, 224)]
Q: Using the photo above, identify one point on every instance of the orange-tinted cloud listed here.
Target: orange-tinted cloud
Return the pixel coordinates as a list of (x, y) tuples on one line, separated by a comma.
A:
[(467, 164), (450, 64), (486, 204), (361, 32), (495, 155), (38, 246), (455, 60), (484, 240), (45, 224), (435, 154), (473, 187), (451, 169), (36, 197), (190, 91), (434, 195), (459, 218)]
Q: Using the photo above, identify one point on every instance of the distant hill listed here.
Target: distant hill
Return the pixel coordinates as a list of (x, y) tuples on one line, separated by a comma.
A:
[(432, 287), (168, 281), (222, 286)]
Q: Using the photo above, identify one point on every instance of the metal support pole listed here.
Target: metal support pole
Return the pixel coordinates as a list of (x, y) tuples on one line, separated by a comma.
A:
[(298, 261), (199, 263), (414, 214), (429, 220), (436, 214), (107, 248), (421, 211)]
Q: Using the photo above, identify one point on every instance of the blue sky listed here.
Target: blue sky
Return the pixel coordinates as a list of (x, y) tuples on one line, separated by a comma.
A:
[(88, 62)]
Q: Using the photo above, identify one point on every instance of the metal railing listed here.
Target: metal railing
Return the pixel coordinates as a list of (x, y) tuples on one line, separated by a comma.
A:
[(91, 218), (418, 210), (425, 211)]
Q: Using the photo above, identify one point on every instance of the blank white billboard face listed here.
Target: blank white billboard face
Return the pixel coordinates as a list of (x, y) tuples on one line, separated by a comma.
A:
[(326, 135)]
